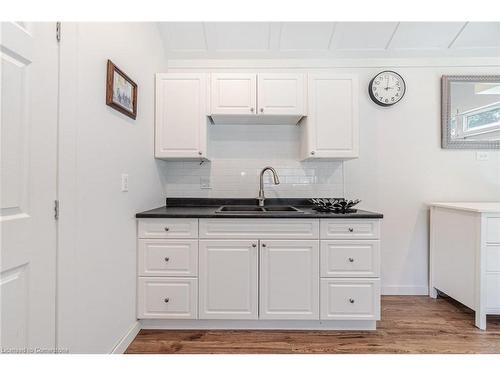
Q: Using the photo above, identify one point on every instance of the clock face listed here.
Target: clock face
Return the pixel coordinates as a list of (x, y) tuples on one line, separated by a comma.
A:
[(387, 88)]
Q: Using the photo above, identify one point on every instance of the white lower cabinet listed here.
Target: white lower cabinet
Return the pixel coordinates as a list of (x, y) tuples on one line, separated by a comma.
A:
[(228, 279), (234, 271), (289, 279)]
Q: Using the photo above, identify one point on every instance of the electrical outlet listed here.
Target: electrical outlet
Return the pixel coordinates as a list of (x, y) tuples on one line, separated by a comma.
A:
[(205, 183), (482, 156), (124, 182)]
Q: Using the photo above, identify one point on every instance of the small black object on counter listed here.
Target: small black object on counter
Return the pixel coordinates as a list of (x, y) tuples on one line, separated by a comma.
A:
[(334, 205)]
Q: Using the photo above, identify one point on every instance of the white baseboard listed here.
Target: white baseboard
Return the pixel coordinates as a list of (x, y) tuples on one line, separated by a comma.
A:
[(323, 325), (126, 340), (405, 290)]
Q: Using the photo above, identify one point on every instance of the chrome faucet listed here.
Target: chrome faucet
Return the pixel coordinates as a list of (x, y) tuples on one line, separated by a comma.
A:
[(261, 198)]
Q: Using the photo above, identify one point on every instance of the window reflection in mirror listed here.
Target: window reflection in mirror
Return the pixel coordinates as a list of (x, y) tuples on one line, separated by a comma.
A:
[(475, 111)]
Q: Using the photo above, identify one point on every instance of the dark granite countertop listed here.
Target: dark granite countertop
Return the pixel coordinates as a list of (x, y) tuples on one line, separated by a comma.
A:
[(207, 207)]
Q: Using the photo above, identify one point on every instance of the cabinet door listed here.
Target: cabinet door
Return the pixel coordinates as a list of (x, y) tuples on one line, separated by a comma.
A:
[(331, 127), (289, 279), (228, 279), (233, 94), (181, 115), (281, 94)]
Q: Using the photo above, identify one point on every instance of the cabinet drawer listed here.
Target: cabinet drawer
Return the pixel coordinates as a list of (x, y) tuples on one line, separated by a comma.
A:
[(347, 229), (350, 258), (159, 257), (168, 228), (167, 298), (350, 299), (493, 230), (493, 292), (492, 258), (259, 228)]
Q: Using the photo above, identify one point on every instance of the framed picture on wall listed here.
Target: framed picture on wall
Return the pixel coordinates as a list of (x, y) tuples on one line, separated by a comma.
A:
[(121, 91)]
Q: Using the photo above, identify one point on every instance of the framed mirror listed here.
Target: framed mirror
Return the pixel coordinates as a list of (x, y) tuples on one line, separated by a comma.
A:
[(470, 111)]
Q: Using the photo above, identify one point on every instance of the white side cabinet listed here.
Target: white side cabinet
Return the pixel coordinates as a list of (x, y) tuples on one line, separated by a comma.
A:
[(331, 127), (465, 255), (181, 115)]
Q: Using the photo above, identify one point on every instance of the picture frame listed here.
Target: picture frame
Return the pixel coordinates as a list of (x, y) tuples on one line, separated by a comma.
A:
[(121, 91)]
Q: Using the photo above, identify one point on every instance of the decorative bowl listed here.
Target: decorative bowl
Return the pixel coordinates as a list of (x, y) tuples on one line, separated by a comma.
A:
[(339, 205)]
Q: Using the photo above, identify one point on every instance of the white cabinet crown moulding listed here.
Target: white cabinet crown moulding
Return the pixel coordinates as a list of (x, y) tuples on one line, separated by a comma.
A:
[(324, 105)]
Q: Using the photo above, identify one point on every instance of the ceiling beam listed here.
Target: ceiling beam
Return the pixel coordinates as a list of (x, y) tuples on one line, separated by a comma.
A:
[(450, 45)]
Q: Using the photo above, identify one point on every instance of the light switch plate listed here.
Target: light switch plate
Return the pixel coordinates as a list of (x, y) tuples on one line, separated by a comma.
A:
[(124, 182), (482, 156)]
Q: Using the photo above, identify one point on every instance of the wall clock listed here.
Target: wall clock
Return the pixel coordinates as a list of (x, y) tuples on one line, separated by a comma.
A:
[(387, 88)]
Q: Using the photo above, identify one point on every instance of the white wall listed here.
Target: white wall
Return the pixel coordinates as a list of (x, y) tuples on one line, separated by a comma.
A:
[(401, 165), (97, 234)]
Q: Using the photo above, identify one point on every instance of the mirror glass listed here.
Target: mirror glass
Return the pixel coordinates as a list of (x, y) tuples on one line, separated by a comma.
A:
[(472, 108)]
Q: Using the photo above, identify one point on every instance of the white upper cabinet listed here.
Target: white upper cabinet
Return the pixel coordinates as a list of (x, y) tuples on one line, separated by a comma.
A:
[(264, 98), (280, 94), (331, 128), (181, 115), (233, 94), (325, 104)]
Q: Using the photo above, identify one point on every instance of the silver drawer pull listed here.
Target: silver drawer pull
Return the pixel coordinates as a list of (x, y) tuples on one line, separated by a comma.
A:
[(166, 300), (351, 260), (351, 300), (351, 230), (167, 229), (167, 259)]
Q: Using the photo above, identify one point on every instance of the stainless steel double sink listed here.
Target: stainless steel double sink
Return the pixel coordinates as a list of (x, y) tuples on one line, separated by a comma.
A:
[(256, 209)]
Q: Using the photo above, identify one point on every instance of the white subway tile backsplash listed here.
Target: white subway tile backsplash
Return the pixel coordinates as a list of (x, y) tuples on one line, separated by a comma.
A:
[(239, 178)]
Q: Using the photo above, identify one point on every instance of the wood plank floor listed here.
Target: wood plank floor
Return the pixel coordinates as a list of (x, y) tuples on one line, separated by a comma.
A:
[(410, 324)]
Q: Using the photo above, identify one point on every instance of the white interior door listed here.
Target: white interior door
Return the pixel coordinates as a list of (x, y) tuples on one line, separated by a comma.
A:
[(29, 77)]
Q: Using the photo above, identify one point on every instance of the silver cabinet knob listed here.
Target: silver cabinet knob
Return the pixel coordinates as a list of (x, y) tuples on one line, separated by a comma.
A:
[(264, 245), (254, 245), (166, 300), (351, 300), (251, 109), (351, 230), (351, 260), (200, 153), (262, 110), (167, 229), (167, 259), (312, 152)]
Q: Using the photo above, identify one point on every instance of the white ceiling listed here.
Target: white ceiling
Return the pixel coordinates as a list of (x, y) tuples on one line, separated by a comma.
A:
[(203, 40)]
